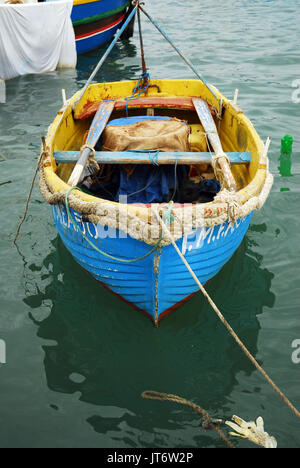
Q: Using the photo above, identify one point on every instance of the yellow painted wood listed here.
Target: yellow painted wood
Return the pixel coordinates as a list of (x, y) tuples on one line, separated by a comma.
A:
[(83, 2)]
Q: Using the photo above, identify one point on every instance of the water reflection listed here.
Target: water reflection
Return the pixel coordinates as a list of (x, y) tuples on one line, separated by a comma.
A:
[(33, 100), (285, 166), (110, 353), (121, 63)]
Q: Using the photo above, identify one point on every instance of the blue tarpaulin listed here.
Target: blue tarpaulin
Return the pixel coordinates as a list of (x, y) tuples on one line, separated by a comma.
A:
[(148, 184)]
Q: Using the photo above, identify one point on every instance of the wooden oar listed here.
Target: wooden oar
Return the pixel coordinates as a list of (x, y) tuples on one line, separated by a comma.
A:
[(98, 125), (214, 139)]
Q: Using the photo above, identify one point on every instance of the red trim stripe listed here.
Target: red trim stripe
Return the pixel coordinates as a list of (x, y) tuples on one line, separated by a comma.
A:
[(115, 23)]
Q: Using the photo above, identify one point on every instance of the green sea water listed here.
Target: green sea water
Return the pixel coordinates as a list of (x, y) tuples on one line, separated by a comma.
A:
[(77, 358)]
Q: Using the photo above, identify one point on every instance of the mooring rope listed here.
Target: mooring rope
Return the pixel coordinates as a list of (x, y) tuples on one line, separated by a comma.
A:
[(38, 166), (101, 252), (209, 423), (224, 321), (141, 88)]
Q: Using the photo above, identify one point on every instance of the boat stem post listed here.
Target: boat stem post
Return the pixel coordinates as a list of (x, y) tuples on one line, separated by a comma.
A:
[(64, 97), (236, 95), (267, 147)]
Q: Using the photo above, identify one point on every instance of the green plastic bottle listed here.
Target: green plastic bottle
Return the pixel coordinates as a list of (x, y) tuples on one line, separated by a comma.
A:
[(285, 160), (287, 144)]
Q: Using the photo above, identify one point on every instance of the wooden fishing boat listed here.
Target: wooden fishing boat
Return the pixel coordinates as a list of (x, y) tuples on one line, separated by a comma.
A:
[(96, 22), (122, 244)]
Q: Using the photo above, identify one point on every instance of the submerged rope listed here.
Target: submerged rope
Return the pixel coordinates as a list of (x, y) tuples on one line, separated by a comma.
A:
[(225, 323), (208, 421)]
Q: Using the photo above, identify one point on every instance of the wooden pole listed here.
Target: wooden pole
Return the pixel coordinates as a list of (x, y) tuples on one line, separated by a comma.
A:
[(210, 128)]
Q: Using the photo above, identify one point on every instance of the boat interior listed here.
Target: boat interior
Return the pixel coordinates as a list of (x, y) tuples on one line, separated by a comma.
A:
[(153, 148)]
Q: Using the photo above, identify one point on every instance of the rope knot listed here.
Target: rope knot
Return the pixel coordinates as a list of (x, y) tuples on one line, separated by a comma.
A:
[(233, 204), (168, 217), (219, 169), (215, 163), (92, 157), (91, 148), (218, 156), (153, 156)]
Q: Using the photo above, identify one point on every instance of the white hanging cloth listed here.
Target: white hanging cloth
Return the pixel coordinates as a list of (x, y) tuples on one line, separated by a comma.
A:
[(36, 38)]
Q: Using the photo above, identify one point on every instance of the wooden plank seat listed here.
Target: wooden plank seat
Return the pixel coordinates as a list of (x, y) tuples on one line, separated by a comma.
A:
[(178, 103), (151, 157)]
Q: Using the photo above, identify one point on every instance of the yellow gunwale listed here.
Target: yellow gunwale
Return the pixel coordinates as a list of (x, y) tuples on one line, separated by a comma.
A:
[(119, 90), (83, 2)]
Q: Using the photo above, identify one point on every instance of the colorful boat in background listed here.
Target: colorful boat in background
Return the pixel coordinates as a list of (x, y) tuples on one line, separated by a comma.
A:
[(96, 22)]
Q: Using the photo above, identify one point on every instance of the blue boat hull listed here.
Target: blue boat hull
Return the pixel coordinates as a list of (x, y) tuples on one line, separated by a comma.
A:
[(96, 22), (159, 283)]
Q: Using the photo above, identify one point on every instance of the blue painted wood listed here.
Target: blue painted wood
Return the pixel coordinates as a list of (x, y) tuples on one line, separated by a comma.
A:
[(99, 122), (96, 40), (206, 249), (133, 157), (90, 9), (135, 282), (95, 9)]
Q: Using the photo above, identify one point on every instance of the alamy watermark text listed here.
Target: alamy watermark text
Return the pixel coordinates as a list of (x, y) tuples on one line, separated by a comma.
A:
[(296, 353), (296, 93)]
